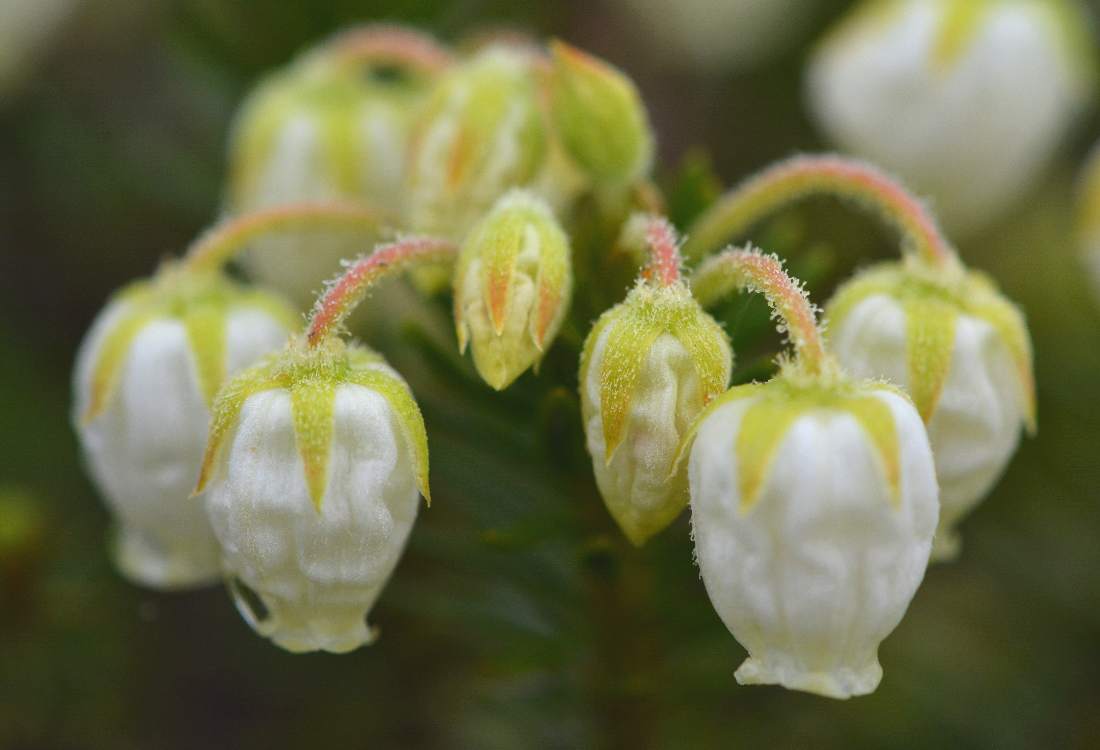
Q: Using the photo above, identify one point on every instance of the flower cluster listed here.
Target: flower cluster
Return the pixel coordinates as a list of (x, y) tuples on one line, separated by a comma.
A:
[(230, 443)]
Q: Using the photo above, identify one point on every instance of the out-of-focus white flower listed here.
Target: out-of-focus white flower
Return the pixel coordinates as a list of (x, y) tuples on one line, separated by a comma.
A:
[(720, 34), (962, 352), (813, 509), (145, 376), (25, 26), (313, 468), (512, 287), (334, 125), (965, 99)]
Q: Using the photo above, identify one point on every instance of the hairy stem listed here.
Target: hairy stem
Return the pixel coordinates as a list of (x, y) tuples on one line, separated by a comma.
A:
[(381, 44), (664, 252), (218, 245), (734, 270), (805, 176), (349, 290)]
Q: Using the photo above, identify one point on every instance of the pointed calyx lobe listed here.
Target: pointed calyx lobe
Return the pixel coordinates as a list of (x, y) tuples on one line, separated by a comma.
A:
[(311, 376), (631, 330), (199, 301)]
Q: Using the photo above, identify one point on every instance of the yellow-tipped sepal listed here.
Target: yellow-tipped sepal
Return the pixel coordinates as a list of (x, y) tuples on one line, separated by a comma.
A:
[(599, 117), (146, 375), (813, 506), (648, 368), (313, 468), (962, 352), (512, 286)]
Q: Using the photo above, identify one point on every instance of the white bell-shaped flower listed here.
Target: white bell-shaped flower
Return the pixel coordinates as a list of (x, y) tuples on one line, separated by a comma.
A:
[(334, 125), (813, 511), (964, 99), (813, 503), (313, 471), (962, 352), (145, 377)]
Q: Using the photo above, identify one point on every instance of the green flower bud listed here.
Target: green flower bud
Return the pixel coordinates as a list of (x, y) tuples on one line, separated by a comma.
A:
[(512, 287), (599, 117), (648, 368), (962, 352), (483, 133)]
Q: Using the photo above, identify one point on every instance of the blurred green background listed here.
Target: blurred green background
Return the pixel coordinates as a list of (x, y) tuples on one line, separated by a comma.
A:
[(518, 618)]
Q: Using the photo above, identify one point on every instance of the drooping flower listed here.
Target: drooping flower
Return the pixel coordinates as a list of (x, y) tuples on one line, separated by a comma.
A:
[(333, 125), (146, 374), (512, 287), (966, 99), (649, 366), (962, 352), (315, 460), (813, 504), (945, 333)]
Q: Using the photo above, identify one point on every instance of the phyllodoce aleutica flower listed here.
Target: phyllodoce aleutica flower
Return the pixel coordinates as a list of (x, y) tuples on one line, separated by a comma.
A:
[(314, 465), (335, 124), (966, 99), (944, 333), (813, 503), (146, 374), (649, 366)]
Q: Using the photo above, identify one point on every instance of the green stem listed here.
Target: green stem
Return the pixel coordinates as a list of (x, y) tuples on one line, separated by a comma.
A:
[(218, 245), (805, 176)]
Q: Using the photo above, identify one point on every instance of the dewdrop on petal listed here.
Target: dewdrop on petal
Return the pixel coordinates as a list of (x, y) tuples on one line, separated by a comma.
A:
[(483, 133), (813, 505), (146, 374), (599, 117), (963, 353), (315, 462), (512, 287), (335, 124), (965, 99), (649, 366)]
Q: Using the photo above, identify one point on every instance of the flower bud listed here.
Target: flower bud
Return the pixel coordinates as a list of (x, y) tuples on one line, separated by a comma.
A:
[(512, 286), (911, 85), (146, 374), (962, 351), (599, 117), (312, 471), (325, 129), (483, 133), (648, 368), (813, 507)]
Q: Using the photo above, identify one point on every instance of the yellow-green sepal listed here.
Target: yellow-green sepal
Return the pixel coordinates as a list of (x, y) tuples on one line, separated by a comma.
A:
[(111, 355), (205, 326), (262, 376), (930, 342), (988, 304), (628, 343), (404, 406), (312, 404)]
